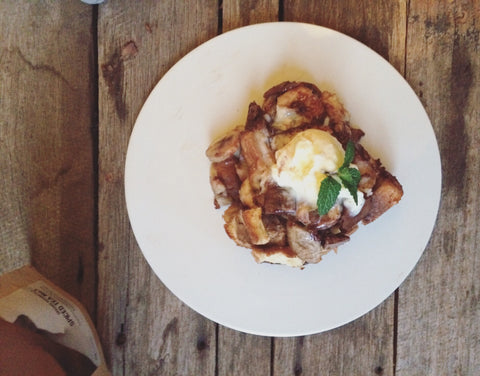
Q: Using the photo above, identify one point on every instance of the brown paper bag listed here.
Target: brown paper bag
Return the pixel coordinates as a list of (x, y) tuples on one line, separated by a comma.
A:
[(44, 330)]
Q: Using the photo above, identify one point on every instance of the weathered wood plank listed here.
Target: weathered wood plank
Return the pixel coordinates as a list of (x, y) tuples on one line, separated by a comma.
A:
[(237, 13), (46, 106), (243, 354), (439, 304), (240, 353), (365, 346), (144, 328)]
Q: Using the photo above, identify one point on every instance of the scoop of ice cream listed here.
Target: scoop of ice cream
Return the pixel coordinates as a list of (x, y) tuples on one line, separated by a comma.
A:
[(303, 163)]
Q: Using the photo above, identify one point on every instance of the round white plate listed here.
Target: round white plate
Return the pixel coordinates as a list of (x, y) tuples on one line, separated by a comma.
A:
[(170, 202)]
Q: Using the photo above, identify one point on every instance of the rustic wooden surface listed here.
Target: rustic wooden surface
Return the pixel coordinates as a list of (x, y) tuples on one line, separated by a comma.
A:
[(73, 78), (47, 102)]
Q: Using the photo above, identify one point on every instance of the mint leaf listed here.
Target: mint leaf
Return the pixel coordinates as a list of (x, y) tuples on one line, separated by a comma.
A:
[(330, 187), (350, 178), (327, 195), (349, 154)]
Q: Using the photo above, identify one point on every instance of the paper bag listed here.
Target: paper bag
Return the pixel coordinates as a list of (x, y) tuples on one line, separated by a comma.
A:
[(46, 318)]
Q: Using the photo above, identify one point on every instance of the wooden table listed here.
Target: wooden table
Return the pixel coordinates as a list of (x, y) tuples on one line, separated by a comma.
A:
[(73, 78)]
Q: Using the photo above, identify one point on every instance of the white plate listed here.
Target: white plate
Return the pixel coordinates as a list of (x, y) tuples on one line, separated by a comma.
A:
[(170, 202)]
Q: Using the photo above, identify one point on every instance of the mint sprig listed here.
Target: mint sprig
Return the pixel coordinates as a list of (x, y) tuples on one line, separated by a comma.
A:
[(330, 187)]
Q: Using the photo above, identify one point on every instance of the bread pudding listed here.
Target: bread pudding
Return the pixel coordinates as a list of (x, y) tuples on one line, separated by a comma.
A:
[(295, 180)]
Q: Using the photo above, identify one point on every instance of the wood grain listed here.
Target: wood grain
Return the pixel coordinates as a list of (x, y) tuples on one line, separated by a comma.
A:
[(439, 304), (46, 106), (363, 347), (238, 13), (240, 353), (48, 151), (145, 328)]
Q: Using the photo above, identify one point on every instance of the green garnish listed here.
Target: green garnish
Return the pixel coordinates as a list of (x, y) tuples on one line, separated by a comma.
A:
[(330, 187), (349, 154), (327, 195)]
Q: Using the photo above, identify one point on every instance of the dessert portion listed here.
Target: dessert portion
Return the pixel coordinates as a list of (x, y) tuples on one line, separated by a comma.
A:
[(295, 179)]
